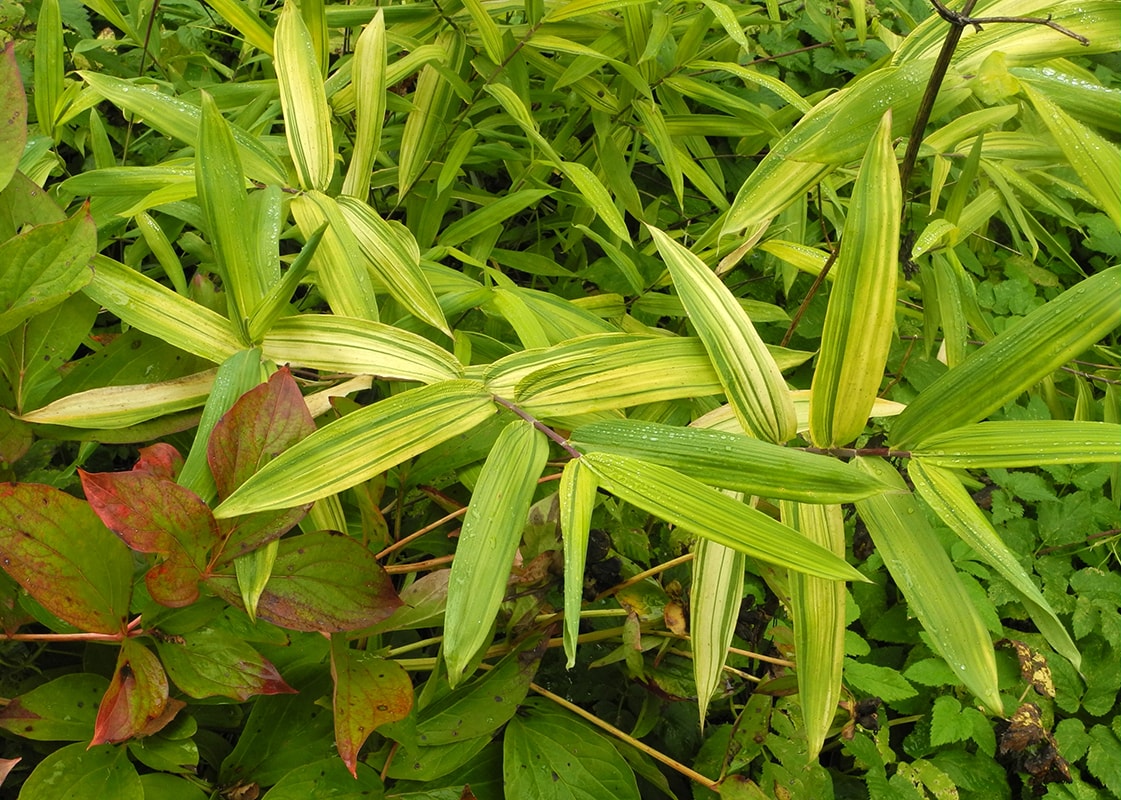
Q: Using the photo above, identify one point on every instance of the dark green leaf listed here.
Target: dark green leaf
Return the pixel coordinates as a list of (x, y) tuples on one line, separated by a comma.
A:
[(62, 710), (78, 772), (328, 779)]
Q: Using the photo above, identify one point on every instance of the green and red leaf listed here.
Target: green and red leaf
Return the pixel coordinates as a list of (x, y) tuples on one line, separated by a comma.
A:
[(369, 691), (215, 663), (137, 702), (57, 549)]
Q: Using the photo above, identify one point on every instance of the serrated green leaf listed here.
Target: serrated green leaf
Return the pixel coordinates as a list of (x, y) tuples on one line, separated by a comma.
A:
[(922, 570), (491, 531), (860, 319), (747, 371)]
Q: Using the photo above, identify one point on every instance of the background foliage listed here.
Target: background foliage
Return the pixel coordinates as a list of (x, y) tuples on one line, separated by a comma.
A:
[(411, 398)]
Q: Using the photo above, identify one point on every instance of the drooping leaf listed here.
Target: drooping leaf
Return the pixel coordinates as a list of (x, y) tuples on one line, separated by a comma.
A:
[(922, 570), (57, 549), (698, 509), (491, 531), (747, 371), (80, 772), (321, 581), (63, 709), (369, 691), (44, 266), (860, 319), (211, 662), (136, 702), (729, 460), (13, 127), (361, 445), (1022, 355), (577, 500)]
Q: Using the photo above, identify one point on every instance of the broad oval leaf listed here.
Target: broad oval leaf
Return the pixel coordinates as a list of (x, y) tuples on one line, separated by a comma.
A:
[(57, 549), (730, 461), (369, 691), (362, 444), (700, 510), (860, 318), (747, 371), (69, 772), (211, 662), (921, 568), (61, 710), (1025, 353), (491, 531)]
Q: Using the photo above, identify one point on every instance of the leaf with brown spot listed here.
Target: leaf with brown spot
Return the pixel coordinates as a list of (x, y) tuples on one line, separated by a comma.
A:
[(56, 548), (369, 692), (136, 703), (13, 119), (1033, 667), (215, 663)]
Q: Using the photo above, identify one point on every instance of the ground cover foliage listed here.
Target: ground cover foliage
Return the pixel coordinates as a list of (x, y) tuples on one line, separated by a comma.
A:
[(558, 399)]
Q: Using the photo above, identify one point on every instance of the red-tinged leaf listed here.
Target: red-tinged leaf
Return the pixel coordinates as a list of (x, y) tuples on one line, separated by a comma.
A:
[(153, 514), (161, 460), (322, 581), (57, 549), (215, 663), (369, 691), (62, 710), (6, 764), (12, 616), (13, 119), (262, 424), (136, 703)]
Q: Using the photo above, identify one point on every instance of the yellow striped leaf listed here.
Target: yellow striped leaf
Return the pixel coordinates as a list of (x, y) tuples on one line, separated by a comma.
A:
[(303, 100), (1022, 444), (369, 81), (577, 496), (714, 605)]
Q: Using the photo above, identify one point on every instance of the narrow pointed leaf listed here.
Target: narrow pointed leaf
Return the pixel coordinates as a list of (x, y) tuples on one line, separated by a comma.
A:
[(425, 123), (48, 65), (136, 702), (1021, 356), (715, 599), (242, 18), (211, 662), (1022, 444), (491, 531), (253, 571), (922, 570), (818, 608), (944, 493), (703, 511), (304, 100), (730, 461), (577, 500), (55, 547), (369, 692), (860, 319), (370, 86), (747, 371), (362, 444)]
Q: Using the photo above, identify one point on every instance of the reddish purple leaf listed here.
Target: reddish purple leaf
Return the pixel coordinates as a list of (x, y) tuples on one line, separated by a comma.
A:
[(152, 514), (369, 692), (136, 702), (241, 535), (215, 663), (322, 581), (262, 424), (57, 549), (161, 460), (6, 765)]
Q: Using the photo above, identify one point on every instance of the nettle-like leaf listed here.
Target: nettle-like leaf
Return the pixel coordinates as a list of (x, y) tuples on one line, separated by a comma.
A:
[(57, 549), (369, 691), (321, 581), (265, 422), (136, 702), (153, 514), (211, 662)]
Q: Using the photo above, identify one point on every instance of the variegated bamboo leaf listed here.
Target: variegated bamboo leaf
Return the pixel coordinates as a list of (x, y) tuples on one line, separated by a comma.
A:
[(714, 606), (577, 500), (304, 100)]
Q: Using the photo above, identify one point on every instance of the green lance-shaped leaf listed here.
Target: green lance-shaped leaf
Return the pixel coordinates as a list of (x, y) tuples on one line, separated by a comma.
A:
[(369, 692), (747, 371), (491, 531), (1096, 159), (243, 19), (361, 445), (304, 101), (43, 266), (1022, 444), (835, 132), (369, 66), (730, 461), (944, 493), (1017, 359), (700, 510), (860, 319), (714, 606), (13, 123), (275, 302), (220, 184), (180, 120), (487, 30), (819, 622), (56, 548), (395, 258), (921, 568), (431, 101), (344, 344), (155, 309), (48, 65), (577, 500)]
